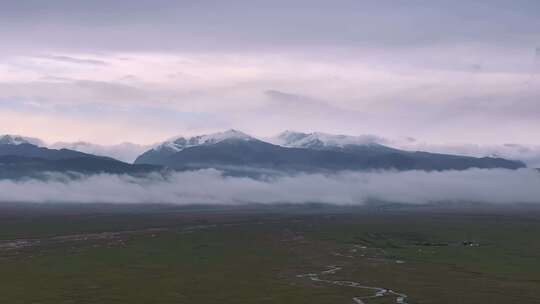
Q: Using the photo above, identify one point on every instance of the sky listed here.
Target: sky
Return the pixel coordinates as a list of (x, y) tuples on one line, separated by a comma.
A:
[(443, 72)]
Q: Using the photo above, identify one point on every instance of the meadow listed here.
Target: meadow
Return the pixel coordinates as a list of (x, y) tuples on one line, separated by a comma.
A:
[(99, 253)]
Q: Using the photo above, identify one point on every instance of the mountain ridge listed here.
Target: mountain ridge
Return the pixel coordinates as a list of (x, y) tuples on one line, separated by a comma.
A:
[(289, 151), (320, 152)]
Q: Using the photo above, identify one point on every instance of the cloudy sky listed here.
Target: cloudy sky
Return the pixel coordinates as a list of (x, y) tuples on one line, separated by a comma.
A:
[(446, 72)]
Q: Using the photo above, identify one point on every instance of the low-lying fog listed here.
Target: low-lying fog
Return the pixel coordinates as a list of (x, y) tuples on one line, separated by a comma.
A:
[(213, 187)]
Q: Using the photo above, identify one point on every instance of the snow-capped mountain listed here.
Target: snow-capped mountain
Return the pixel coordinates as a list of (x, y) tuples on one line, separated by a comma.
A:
[(319, 140), (163, 151), (237, 152), (180, 143), (18, 140)]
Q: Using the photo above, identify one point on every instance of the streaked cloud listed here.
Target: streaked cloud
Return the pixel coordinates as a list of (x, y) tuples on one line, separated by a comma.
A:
[(443, 72), (75, 60)]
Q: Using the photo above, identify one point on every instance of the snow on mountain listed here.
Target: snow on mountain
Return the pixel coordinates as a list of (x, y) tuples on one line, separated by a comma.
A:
[(17, 140), (126, 152), (180, 143), (322, 140)]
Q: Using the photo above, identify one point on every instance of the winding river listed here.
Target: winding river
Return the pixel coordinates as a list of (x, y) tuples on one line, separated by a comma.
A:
[(400, 298)]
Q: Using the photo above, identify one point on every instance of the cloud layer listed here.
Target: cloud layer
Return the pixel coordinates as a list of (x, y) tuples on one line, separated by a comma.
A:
[(126, 152), (173, 25), (141, 70), (212, 187)]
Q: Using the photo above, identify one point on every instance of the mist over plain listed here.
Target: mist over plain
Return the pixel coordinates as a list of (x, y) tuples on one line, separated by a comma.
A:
[(212, 186)]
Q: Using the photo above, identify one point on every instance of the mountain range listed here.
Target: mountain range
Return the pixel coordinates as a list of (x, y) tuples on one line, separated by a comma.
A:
[(309, 152), (238, 153)]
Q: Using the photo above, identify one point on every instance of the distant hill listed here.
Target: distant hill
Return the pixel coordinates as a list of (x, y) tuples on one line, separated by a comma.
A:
[(28, 160), (126, 152), (33, 151)]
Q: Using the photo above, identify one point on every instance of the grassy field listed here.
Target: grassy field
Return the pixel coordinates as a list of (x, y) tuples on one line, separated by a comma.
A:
[(53, 254)]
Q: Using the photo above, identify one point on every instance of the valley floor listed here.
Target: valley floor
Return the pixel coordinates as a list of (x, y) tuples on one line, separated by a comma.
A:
[(268, 254)]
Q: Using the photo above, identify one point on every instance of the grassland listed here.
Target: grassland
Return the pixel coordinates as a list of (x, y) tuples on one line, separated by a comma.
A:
[(53, 254)]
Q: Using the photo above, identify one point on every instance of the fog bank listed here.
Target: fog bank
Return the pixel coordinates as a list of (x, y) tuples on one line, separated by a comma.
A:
[(213, 187)]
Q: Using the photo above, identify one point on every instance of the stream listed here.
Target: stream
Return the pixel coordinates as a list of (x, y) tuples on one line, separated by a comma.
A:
[(400, 298)]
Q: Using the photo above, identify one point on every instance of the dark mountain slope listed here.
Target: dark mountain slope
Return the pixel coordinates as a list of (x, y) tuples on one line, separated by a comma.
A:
[(256, 154), (27, 160)]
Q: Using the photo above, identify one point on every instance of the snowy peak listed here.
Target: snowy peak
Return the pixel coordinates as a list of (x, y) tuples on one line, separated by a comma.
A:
[(18, 140), (319, 140), (301, 152), (181, 143), (222, 136)]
